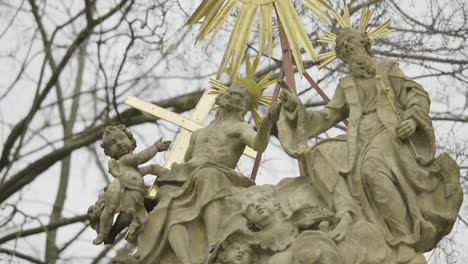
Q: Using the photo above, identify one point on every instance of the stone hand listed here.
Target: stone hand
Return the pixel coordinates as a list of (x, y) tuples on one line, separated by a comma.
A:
[(341, 229), (273, 113), (289, 100), (162, 145), (407, 128)]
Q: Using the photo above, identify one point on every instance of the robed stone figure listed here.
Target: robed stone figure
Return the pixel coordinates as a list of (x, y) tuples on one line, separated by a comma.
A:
[(390, 166)]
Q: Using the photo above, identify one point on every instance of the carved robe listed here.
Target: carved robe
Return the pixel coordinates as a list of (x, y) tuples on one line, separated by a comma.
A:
[(206, 183), (378, 162)]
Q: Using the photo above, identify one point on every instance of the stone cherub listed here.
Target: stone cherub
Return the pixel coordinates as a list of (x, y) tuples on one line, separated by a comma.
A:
[(235, 251), (126, 193), (390, 167), (262, 224)]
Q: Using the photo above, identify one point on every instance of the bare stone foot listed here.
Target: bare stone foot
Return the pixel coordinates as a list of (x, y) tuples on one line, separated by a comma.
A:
[(99, 239)]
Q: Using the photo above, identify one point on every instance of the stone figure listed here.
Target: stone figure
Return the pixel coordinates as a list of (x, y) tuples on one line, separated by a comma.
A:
[(126, 192), (186, 220), (390, 166)]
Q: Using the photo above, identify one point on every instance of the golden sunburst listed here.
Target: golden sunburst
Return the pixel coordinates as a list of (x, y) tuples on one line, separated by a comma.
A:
[(216, 12), (345, 22), (254, 88)]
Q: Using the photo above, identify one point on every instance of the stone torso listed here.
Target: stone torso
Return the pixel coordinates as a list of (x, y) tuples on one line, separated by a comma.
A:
[(218, 143), (129, 177), (370, 123), (367, 91)]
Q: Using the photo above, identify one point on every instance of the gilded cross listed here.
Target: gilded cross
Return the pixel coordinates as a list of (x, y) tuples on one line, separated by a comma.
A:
[(187, 125)]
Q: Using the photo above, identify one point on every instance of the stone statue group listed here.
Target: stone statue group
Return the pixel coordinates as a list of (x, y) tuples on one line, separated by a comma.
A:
[(377, 195)]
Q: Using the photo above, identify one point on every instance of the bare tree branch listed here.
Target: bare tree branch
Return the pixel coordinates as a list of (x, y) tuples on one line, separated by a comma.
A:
[(20, 255)]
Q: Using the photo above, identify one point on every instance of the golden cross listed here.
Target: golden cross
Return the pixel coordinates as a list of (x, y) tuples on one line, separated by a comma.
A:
[(188, 125)]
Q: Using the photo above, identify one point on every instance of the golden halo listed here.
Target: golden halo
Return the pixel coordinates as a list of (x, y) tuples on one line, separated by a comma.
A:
[(345, 22), (216, 12), (254, 88)]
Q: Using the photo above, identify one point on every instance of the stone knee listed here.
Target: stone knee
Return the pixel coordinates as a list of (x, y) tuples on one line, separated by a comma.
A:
[(386, 196)]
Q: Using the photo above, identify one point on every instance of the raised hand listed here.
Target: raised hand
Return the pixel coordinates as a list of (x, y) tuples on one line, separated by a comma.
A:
[(339, 232), (273, 113), (407, 128), (162, 145), (289, 100)]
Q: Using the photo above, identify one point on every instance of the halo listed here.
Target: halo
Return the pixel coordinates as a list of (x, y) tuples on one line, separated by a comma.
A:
[(345, 22), (216, 12), (254, 88)]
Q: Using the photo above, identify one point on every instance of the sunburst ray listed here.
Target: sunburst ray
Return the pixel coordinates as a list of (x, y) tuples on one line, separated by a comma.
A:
[(215, 13)]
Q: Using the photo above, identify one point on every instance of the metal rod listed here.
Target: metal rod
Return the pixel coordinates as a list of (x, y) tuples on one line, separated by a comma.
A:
[(288, 72)]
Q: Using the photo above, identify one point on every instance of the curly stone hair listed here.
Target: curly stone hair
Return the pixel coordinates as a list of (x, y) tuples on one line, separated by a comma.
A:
[(122, 128)]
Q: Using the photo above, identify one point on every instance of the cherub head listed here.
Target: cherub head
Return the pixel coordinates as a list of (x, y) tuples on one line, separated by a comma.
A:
[(234, 251), (236, 98), (117, 141), (262, 210)]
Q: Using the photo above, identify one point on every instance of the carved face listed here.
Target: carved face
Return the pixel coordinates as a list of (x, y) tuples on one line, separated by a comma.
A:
[(235, 98), (350, 42), (117, 143), (260, 211), (238, 253), (353, 48)]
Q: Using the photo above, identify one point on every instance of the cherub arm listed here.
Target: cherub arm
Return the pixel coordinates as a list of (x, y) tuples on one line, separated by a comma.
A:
[(145, 155), (153, 169)]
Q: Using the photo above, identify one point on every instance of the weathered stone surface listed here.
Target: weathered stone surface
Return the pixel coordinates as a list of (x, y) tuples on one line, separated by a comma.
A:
[(125, 195), (390, 166), (378, 194)]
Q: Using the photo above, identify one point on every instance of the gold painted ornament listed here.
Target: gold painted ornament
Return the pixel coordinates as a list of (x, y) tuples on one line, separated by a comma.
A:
[(345, 22), (216, 12)]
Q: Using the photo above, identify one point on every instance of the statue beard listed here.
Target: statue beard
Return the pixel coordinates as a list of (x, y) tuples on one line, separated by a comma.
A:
[(361, 66), (227, 104)]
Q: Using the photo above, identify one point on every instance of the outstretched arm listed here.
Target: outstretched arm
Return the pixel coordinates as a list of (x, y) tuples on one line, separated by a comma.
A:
[(259, 141), (316, 122), (145, 155)]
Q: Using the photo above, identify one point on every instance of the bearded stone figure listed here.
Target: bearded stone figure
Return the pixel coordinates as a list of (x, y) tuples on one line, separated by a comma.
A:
[(390, 167)]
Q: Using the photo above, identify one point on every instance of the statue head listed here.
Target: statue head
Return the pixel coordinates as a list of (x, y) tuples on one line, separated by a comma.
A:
[(349, 41), (261, 210), (117, 141), (236, 98), (353, 47), (235, 251)]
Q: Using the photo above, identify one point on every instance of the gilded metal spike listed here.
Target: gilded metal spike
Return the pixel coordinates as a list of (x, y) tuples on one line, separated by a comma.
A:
[(216, 13)]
